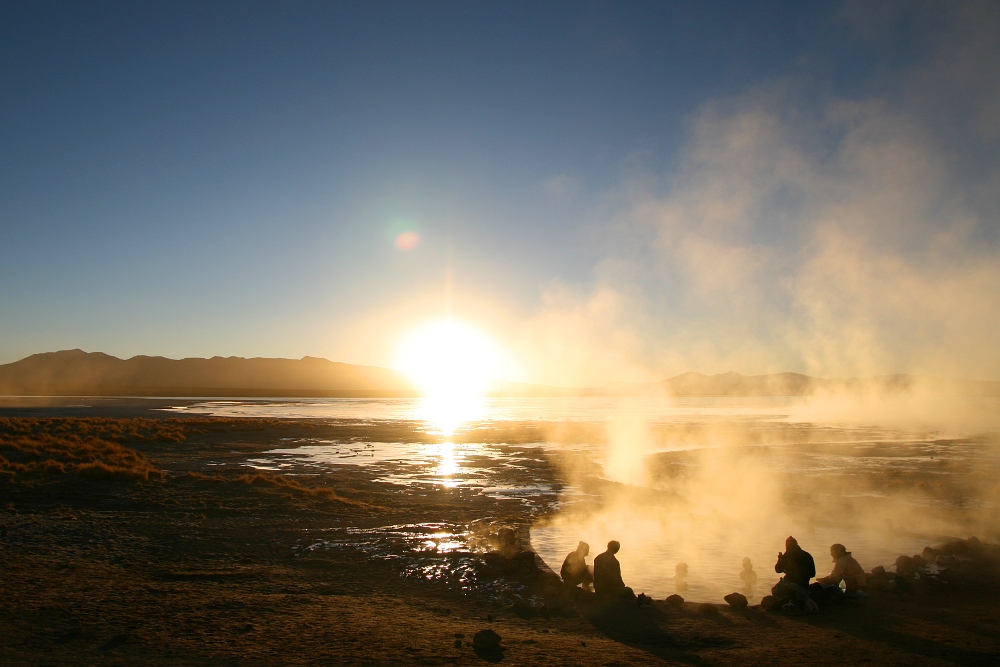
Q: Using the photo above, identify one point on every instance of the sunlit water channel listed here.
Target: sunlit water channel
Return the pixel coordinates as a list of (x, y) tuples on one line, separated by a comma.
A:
[(881, 491)]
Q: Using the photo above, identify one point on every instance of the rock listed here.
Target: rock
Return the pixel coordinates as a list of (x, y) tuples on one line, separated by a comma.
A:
[(486, 640), (878, 572), (929, 554), (736, 600), (918, 560), (767, 602), (962, 548), (675, 600), (905, 567), (458, 643), (524, 563), (459, 635)]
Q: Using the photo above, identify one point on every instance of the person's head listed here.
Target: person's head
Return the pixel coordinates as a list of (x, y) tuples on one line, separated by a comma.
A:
[(614, 546), (791, 544), (838, 550), (583, 548), (681, 569), (747, 565)]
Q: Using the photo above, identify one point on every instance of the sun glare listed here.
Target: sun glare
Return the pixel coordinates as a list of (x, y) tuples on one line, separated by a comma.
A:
[(452, 363)]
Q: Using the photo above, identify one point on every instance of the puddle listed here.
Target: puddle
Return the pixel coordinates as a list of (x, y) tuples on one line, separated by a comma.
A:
[(445, 554), (497, 471)]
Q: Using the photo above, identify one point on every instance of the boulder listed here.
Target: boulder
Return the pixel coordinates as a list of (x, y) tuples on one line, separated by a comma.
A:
[(736, 600), (878, 572), (767, 602), (486, 640), (675, 600), (905, 567)]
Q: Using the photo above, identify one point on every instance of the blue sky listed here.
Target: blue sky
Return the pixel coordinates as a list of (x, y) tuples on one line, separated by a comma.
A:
[(193, 179)]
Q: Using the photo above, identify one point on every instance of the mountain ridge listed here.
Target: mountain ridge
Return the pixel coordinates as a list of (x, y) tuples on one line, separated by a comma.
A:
[(79, 373)]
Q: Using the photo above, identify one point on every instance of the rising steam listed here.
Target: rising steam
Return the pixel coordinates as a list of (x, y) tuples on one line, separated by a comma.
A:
[(811, 232)]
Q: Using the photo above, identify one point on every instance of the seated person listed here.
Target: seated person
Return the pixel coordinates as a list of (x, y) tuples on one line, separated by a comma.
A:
[(845, 569), (796, 564), (798, 567), (608, 574), (575, 571)]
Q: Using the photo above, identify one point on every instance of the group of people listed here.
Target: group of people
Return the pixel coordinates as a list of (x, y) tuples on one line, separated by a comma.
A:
[(605, 576), (798, 568), (795, 565)]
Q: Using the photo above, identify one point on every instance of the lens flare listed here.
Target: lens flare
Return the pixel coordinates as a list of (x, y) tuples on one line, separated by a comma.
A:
[(407, 240)]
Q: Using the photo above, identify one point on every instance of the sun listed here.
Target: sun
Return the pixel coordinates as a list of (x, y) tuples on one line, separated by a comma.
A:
[(453, 364)]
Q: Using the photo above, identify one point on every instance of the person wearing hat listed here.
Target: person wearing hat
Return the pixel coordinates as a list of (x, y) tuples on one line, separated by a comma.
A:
[(845, 569), (798, 568)]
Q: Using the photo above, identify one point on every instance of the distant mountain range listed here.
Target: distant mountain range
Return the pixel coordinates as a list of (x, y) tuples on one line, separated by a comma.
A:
[(79, 373)]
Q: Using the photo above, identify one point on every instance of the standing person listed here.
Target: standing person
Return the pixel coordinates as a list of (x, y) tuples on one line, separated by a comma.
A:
[(574, 571), (845, 569), (608, 573)]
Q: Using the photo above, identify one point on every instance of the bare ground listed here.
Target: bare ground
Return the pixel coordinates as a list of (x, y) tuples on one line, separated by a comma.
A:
[(204, 564)]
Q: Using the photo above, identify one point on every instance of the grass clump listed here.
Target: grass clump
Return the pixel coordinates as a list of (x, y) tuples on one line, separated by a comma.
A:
[(279, 482), (39, 448)]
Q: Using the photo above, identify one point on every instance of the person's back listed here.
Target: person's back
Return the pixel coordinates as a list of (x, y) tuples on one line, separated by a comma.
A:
[(796, 564), (608, 571), (574, 569)]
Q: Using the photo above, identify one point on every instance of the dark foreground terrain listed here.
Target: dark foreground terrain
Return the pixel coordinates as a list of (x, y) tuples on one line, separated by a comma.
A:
[(138, 541)]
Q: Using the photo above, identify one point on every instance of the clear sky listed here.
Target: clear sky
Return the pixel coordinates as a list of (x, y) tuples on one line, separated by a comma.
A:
[(617, 190)]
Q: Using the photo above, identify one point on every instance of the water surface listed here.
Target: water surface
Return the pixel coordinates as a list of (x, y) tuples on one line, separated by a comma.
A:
[(704, 481)]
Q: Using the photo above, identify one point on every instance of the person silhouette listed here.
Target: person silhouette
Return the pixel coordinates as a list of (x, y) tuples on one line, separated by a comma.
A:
[(608, 581), (748, 576), (574, 571)]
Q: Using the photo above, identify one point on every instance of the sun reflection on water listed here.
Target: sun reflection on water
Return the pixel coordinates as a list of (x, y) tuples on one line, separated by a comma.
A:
[(448, 463), (445, 413)]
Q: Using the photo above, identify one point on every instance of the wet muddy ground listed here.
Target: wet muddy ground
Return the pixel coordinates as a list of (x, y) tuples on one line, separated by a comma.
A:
[(218, 562)]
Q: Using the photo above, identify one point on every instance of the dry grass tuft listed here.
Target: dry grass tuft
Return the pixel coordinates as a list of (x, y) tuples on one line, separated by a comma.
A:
[(34, 448), (280, 482)]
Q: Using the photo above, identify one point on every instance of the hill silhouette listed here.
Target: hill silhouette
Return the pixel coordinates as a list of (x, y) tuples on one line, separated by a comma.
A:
[(75, 373), (79, 373)]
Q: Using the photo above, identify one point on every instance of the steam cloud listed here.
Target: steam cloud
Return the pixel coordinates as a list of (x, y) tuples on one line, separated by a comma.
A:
[(806, 231), (802, 231)]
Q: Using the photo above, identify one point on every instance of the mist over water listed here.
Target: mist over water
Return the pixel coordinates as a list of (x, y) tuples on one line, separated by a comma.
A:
[(703, 481)]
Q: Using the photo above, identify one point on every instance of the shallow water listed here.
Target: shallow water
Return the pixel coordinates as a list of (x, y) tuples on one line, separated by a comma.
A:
[(705, 481)]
